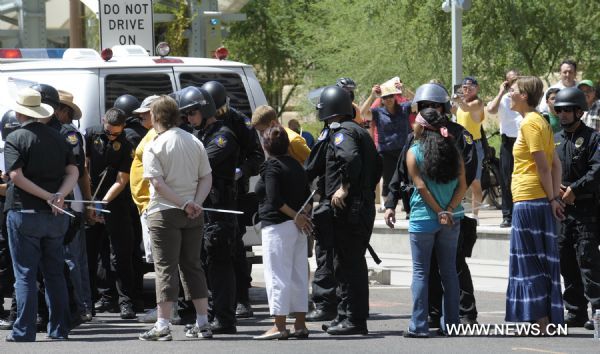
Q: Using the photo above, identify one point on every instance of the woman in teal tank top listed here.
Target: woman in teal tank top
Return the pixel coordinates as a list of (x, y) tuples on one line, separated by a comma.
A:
[(437, 171)]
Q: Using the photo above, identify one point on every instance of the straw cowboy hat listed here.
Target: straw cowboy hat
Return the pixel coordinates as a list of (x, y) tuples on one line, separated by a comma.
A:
[(66, 98), (29, 103), (388, 89)]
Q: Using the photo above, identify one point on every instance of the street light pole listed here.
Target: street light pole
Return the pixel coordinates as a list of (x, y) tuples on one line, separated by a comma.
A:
[(457, 72)]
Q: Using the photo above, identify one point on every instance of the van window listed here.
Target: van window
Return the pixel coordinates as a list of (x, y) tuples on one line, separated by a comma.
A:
[(140, 86), (238, 98)]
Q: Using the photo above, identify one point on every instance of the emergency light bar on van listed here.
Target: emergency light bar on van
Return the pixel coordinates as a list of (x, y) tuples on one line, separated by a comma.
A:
[(32, 53)]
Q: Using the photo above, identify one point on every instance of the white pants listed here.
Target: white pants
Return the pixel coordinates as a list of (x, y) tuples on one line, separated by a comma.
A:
[(146, 238), (285, 263)]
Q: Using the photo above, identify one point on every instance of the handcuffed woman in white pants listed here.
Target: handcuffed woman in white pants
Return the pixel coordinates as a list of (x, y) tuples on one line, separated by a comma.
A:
[(282, 191)]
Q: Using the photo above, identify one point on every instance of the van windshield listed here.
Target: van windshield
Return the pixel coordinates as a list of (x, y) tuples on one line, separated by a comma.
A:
[(140, 86), (238, 98)]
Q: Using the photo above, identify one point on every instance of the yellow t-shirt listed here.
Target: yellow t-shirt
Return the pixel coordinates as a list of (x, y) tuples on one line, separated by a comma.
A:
[(140, 187), (464, 118), (298, 148), (535, 134)]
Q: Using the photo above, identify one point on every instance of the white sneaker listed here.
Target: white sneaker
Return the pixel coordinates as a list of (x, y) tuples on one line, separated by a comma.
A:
[(199, 332)]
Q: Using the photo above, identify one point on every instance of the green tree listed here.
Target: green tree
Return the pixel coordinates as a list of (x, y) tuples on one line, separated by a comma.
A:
[(269, 39)]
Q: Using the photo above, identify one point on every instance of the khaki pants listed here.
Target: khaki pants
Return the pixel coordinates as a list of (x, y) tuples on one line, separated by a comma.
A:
[(176, 247)]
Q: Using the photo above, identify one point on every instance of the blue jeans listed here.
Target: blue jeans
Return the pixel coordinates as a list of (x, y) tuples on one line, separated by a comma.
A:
[(36, 240), (76, 259), (445, 241)]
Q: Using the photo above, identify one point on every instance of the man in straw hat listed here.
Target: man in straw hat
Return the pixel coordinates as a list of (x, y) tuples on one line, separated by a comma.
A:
[(42, 171)]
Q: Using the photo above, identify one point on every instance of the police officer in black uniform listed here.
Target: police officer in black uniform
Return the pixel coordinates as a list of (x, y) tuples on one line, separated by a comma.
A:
[(435, 96), (8, 124), (250, 158), (578, 147), (110, 156), (352, 169), (134, 129), (223, 150)]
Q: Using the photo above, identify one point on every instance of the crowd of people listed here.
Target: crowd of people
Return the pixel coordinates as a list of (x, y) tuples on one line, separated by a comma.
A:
[(85, 214)]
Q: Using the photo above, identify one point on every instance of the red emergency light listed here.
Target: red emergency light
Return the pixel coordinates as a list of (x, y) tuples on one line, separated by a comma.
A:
[(10, 53), (221, 53), (106, 54)]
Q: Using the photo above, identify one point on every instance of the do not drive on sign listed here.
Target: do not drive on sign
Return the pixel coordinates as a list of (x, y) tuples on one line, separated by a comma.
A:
[(124, 22)]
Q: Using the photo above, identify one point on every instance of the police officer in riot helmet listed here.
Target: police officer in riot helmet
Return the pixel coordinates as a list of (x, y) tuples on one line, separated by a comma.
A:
[(250, 158), (134, 129), (8, 124), (434, 95), (578, 148), (351, 169), (223, 151)]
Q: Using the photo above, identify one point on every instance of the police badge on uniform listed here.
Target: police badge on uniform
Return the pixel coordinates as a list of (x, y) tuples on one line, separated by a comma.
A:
[(468, 138), (579, 142), (248, 122), (98, 142), (221, 141), (72, 138), (116, 146), (338, 138)]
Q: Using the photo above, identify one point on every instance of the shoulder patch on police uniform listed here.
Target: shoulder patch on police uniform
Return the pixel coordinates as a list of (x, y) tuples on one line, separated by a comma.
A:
[(468, 138), (116, 146), (323, 135), (98, 141), (579, 142), (338, 138), (248, 122), (220, 140), (72, 138)]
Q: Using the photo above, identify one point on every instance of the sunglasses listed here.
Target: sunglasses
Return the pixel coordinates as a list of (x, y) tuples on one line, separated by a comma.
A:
[(434, 105), (109, 133), (565, 109)]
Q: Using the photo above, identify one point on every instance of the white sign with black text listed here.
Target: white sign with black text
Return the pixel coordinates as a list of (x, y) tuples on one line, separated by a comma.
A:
[(125, 22)]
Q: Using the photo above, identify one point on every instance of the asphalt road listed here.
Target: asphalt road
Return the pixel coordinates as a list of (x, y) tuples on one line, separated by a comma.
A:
[(390, 312)]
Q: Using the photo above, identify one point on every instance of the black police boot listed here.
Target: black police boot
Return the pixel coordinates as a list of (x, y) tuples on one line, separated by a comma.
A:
[(573, 320), (127, 312), (319, 315), (433, 321), (244, 310), (506, 222), (347, 327), (589, 325), (219, 328), (335, 322), (105, 305)]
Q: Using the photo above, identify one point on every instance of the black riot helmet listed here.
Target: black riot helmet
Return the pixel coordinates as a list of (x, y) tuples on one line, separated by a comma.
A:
[(433, 93), (49, 94), (127, 103), (347, 84), (571, 97), (8, 124), (191, 98), (217, 92), (334, 101)]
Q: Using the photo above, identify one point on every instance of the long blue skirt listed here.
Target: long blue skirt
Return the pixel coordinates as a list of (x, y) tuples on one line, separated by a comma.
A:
[(534, 289)]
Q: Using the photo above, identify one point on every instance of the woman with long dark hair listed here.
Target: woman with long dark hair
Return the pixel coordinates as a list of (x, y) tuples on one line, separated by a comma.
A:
[(437, 171)]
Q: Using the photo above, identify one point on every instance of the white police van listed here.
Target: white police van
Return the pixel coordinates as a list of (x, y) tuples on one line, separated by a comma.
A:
[(97, 80)]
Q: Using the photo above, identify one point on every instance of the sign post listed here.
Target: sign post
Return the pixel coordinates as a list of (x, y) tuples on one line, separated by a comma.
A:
[(126, 22)]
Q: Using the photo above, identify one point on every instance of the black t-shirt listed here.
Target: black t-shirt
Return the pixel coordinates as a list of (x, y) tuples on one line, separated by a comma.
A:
[(282, 181), (113, 156), (42, 154)]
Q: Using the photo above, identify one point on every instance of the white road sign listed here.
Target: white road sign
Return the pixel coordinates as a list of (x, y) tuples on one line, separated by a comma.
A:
[(126, 22)]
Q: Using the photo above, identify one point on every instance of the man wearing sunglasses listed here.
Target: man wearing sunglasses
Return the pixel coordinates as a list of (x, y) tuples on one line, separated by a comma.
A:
[(578, 148), (109, 156)]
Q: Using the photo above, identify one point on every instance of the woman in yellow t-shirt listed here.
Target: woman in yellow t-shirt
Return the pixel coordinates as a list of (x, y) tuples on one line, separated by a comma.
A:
[(534, 293)]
